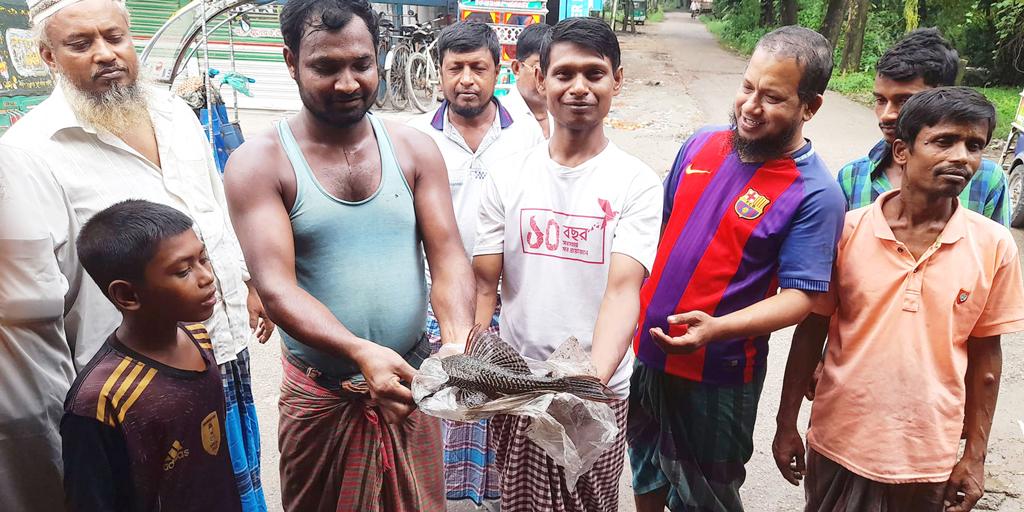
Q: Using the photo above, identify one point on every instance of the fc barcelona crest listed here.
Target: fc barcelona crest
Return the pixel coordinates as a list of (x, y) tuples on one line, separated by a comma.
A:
[(751, 205)]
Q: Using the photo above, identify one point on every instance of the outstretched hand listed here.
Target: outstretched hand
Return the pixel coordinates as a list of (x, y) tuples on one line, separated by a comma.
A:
[(688, 332), (385, 372)]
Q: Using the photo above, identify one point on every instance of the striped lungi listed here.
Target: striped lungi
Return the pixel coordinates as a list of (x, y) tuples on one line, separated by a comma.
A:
[(243, 431), (691, 437), (531, 481), (338, 454), (469, 469)]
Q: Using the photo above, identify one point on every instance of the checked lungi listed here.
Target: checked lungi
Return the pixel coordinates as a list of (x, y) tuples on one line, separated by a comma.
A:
[(469, 461), (243, 431), (531, 481), (338, 454), (691, 437)]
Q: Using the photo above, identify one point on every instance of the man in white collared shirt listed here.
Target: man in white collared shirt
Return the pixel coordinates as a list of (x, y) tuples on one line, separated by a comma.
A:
[(39, 277), (474, 133), (523, 100), (109, 137)]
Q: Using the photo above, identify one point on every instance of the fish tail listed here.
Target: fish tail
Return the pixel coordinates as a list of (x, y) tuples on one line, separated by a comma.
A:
[(590, 388)]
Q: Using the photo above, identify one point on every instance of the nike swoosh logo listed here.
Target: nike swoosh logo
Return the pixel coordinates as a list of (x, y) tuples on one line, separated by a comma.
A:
[(690, 170)]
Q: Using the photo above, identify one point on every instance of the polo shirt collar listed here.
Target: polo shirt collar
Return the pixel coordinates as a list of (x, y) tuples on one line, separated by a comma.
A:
[(439, 117), (956, 226)]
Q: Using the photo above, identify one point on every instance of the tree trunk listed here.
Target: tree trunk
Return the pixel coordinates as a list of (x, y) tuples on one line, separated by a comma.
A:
[(832, 25), (922, 13), (767, 13), (789, 10), (855, 37)]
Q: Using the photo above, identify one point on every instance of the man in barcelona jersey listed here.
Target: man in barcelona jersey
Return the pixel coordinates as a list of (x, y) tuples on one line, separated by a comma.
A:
[(748, 210)]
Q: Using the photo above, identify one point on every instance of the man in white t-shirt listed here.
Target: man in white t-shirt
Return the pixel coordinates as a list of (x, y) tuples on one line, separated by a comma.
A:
[(572, 229), (474, 133)]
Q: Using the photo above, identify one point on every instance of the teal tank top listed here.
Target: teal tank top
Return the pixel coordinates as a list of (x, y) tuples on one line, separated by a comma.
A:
[(363, 260)]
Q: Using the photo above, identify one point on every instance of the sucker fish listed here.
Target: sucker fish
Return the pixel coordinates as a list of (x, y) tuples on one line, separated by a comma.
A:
[(491, 368)]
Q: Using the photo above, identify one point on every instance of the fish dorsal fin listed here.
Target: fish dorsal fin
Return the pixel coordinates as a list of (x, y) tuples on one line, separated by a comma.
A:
[(488, 347)]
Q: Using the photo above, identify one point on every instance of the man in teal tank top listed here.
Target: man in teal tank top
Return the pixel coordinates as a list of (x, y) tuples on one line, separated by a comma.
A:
[(334, 210)]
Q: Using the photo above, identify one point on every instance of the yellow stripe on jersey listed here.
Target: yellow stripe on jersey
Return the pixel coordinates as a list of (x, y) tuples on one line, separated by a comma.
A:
[(196, 327), (135, 394), (200, 335), (107, 386), (208, 346), (126, 383)]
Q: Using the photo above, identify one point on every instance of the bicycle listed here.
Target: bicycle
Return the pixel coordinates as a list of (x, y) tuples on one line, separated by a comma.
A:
[(422, 78), (383, 46)]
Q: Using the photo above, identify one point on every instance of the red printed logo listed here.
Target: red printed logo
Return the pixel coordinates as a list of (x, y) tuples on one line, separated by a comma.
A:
[(962, 296), (565, 236)]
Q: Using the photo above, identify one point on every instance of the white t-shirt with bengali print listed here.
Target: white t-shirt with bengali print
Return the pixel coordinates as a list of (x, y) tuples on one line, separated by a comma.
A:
[(557, 228)]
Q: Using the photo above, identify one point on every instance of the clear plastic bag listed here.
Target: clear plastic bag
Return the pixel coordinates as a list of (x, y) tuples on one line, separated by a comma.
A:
[(572, 431)]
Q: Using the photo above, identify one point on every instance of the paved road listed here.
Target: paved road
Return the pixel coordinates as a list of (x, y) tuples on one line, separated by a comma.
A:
[(677, 79)]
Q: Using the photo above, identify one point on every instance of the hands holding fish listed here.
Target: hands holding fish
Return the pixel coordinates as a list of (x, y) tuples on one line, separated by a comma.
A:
[(385, 371), (687, 332)]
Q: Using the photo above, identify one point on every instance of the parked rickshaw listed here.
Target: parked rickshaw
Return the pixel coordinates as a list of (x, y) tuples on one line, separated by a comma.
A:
[(1013, 160)]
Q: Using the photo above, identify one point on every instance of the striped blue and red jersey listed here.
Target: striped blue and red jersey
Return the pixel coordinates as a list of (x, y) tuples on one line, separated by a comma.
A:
[(734, 234)]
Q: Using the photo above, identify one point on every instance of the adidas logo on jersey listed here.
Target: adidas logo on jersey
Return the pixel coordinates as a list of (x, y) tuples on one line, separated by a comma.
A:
[(176, 453)]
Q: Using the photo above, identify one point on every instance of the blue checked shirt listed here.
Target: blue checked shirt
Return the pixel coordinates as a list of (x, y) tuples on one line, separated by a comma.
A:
[(864, 180)]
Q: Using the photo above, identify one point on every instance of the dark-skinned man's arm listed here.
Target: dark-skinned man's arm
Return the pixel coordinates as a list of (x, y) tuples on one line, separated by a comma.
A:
[(453, 290), (984, 369), (804, 354), (258, 213)]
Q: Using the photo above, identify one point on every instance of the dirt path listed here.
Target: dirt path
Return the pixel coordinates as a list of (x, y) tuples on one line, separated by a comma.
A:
[(677, 79)]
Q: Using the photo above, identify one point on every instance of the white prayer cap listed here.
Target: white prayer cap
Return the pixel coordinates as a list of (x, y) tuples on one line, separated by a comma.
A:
[(39, 10)]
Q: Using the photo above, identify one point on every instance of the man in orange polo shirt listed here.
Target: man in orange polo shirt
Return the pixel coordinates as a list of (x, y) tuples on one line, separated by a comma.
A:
[(922, 290)]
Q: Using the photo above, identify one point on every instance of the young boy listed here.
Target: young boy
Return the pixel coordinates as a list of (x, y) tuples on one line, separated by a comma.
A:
[(571, 227), (143, 422)]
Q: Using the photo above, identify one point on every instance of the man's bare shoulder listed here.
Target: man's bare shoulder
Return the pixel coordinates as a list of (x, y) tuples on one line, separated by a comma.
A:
[(260, 156)]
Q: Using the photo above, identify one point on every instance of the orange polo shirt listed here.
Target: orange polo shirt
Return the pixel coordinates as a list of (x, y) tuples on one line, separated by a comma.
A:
[(890, 403)]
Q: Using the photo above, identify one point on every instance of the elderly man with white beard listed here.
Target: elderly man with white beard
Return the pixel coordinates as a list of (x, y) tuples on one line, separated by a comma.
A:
[(108, 136)]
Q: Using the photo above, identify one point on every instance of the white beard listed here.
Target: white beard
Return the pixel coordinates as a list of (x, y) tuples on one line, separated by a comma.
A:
[(118, 110)]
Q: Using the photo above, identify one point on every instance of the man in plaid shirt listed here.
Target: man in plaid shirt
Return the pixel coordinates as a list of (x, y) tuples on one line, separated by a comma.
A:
[(922, 60)]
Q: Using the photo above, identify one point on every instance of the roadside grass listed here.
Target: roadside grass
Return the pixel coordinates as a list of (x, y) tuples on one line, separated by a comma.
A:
[(858, 85)]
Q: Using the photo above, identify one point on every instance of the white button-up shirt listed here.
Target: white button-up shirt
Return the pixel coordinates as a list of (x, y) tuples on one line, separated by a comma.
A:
[(467, 169), (39, 277), (97, 169)]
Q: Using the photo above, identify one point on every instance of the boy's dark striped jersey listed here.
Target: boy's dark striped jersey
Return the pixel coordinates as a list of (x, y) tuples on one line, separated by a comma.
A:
[(139, 435)]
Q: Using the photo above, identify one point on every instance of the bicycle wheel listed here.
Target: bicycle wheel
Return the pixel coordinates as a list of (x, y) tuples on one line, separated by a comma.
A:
[(382, 79), (396, 78), (419, 82)]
